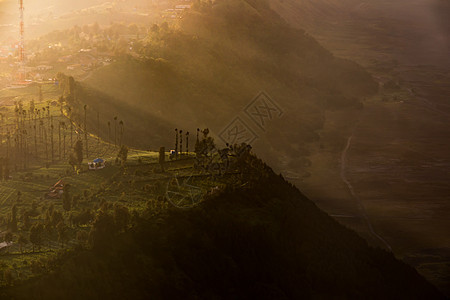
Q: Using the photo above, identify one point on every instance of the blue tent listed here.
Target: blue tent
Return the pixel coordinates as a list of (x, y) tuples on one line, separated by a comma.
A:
[(98, 160)]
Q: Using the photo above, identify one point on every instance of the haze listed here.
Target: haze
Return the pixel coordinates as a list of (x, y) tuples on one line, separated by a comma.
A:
[(298, 125)]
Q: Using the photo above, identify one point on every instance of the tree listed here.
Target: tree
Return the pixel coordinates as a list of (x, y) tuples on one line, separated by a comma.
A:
[(6, 170), (67, 199), (78, 151), (64, 127), (1, 167), (8, 237), (123, 154), (36, 232), (121, 132), (59, 139), (41, 97), (22, 240), (109, 131), (26, 220), (13, 221), (73, 161), (187, 143), (62, 233), (8, 276), (85, 130), (82, 238), (98, 128), (69, 112), (55, 218), (115, 131), (51, 137), (121, 216), (102, 231)]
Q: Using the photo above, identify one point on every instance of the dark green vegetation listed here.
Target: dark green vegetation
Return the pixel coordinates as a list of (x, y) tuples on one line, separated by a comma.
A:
[(257, 238)]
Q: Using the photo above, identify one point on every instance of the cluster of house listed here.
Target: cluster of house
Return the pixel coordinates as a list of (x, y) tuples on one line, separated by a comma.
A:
[(175, 12), (86, 60), (57, 190)]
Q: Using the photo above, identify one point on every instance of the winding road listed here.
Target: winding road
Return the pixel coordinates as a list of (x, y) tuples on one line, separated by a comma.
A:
[(355, 196)]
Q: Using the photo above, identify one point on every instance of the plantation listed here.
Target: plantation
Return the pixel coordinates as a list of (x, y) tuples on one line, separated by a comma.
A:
[(36, 224)]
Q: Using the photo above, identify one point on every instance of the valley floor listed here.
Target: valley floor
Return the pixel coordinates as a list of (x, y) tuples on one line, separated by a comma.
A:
[(397, 163)]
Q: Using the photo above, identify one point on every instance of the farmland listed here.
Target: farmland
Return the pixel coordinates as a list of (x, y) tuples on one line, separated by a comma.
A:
[(38, 160)]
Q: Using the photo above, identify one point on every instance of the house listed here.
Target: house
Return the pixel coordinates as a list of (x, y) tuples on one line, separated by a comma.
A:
[(57, 190), (97, 164), (44, 68), (4, 245), (183, 6), (172, 154), (73, 67)]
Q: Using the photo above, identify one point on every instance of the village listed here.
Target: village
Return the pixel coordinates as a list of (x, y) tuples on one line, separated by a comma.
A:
[(57, 174), (77, 51)]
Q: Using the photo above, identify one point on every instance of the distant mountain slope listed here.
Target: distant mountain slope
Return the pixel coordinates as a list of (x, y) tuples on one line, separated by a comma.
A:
[(207, 70), (262, 240), (415, 32)]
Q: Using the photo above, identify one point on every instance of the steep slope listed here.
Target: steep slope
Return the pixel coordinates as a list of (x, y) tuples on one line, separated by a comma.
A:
[(207, 69), (263, 240), (411, 32), (400, 148)]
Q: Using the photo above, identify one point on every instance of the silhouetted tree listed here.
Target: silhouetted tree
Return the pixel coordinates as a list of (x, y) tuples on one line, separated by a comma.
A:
[(79, 151), (109, 131), (36, 232), (115, 131), (22, 240), (85, 130), (8, 237), (67, 199), (123, 154)]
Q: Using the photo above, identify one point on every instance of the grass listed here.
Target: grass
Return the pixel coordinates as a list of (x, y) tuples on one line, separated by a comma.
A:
[(137, 185)]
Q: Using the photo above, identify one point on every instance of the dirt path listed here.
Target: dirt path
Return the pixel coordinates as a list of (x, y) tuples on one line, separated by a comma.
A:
[(355, 196)]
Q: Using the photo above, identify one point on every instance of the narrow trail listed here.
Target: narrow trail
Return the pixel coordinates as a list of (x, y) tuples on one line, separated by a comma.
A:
[(361, 207)]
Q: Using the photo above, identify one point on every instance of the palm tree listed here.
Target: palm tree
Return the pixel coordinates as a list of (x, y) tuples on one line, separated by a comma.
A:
[(59, 139), (98, 128), (181, 142), (25, 150), (22, 240), (85, 131), (121, 132), (197, 140), (8, 143), (115, 131), (69, 112), (64, 139), (35, 140), (51, 136), (176, 143), (187, 143), (109, 131), (46, 145)]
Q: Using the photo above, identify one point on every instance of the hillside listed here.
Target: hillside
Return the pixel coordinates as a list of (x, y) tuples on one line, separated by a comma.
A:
[(400, 148), (257, 238), (206, 69)]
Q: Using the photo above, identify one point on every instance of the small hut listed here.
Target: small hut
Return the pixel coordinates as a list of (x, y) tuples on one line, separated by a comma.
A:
[(97, 164), (57, 190)]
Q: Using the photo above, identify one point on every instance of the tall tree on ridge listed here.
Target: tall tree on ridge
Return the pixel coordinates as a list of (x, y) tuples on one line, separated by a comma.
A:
[(59, 139), (109, 131), (121, 132), (85, 130), (51, 137), (115, 131)]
